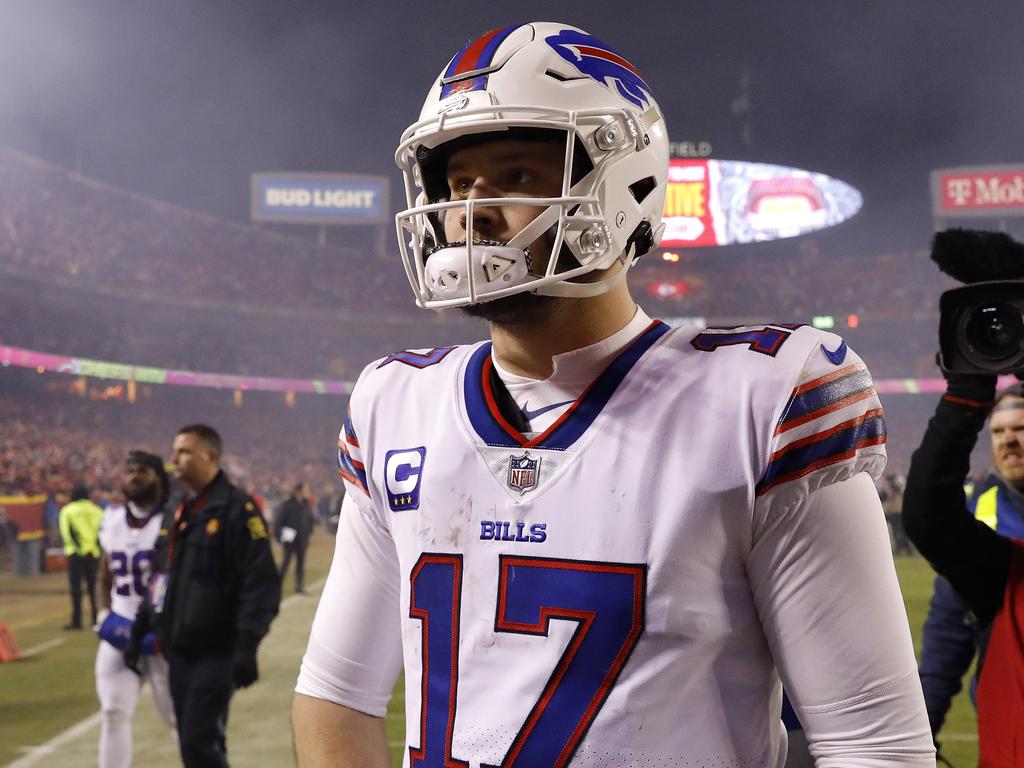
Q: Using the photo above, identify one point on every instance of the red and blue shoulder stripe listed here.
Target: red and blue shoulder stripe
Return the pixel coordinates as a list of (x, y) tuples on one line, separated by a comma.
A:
[(827, 420), (350, 464)]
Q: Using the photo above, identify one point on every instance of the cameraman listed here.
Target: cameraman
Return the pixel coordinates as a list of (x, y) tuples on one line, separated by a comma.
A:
[(951, 637), (985, 568)]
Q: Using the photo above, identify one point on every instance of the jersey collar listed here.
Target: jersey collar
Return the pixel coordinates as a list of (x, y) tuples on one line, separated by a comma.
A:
[(495, 430)]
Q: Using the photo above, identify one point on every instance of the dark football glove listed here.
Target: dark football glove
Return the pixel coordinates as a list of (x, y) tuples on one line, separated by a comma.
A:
[(132, 654), (243, 667)]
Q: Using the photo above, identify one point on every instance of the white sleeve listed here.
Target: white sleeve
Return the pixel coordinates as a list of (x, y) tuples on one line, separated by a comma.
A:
[(355, 645), (826, 589)]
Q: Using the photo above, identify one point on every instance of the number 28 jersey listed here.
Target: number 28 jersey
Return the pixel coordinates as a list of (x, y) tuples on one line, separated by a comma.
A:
[(608, 592), (128, 545)]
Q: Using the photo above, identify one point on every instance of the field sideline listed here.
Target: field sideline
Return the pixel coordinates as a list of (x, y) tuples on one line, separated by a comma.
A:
[(49, 698)]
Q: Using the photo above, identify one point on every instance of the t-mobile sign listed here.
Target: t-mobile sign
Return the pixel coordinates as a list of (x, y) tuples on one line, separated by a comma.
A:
[(987, 191)]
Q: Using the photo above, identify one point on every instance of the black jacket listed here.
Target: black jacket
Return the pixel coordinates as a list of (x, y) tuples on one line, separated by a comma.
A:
[(223, 587), (974, 558), (297, 514)]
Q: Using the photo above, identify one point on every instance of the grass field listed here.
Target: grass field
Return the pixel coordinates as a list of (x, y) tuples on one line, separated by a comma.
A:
[(48, 703)]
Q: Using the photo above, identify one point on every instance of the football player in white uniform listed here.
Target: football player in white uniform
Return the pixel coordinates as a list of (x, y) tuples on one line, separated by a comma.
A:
[(595, 540), (128, 533)]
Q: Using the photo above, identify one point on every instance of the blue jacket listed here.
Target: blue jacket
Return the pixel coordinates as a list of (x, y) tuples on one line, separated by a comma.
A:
[(951, 637)]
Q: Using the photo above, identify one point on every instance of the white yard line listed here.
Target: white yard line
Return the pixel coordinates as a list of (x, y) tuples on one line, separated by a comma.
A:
[(35, 754), (42, 647)]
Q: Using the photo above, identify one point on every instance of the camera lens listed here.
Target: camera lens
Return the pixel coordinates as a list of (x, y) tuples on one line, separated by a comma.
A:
[(995, 329)]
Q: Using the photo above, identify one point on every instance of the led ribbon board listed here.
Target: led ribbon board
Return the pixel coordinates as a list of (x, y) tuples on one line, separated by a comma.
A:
[(44, 362)]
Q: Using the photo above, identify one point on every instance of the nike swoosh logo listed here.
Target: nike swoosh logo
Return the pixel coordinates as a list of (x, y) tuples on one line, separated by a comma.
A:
[(531, 415), (837, 357)]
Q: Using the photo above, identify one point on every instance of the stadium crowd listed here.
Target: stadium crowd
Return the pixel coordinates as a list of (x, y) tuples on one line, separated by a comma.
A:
[(58, 225), (53, 439), (114, 271)]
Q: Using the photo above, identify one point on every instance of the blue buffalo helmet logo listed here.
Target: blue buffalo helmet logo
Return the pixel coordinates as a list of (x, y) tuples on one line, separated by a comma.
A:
[(599, 62)]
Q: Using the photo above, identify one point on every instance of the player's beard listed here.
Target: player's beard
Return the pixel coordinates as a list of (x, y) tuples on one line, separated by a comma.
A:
[(523, 309), (144, 497), (519, 309)]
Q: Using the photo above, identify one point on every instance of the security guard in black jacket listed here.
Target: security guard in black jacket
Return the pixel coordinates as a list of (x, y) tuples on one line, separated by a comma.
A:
[(212, 596)]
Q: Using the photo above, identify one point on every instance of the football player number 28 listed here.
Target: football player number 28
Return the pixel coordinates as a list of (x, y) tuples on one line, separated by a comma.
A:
[(605, 600), (130, 573)]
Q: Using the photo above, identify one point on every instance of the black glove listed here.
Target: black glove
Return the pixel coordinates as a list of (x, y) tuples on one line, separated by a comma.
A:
[(973, 390), (132, 654), (243, 667)]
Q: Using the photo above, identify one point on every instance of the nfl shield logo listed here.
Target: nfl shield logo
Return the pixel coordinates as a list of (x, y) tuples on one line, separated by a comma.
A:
[(523, 473)]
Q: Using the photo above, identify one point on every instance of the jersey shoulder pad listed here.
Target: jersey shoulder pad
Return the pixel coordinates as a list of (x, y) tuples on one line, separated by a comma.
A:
[(831, 425), (112, 516), (416, 358), (767, 339), (401, 371)]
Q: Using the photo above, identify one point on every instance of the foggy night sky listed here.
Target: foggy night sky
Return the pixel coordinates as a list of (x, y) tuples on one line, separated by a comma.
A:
[(184, 99)]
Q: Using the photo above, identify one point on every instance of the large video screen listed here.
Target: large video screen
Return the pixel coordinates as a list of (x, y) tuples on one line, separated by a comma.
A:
[(721, 202)]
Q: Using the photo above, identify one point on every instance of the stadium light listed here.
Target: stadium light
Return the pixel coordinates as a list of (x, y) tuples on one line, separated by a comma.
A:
[(823, 321)]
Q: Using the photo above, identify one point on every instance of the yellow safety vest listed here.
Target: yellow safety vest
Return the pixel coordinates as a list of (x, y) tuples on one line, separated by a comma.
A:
[(80, 528), (985, 509)]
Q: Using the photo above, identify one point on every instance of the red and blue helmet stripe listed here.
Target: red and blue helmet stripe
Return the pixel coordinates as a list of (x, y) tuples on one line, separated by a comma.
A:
[(476, 55)]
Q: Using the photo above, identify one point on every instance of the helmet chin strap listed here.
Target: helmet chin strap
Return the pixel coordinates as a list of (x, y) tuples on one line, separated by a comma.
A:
[(582, 290)]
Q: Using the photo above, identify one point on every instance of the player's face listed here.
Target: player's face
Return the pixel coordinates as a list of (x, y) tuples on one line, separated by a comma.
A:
[(1007, 428), (140, 483), (506, 168), (503, 168), (193, 463)]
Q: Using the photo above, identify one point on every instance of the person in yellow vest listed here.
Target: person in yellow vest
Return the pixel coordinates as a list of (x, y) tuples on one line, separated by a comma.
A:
[(79, 529)]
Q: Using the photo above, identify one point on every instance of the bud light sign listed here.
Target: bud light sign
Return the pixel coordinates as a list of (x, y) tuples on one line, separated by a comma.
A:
[(320, 198)]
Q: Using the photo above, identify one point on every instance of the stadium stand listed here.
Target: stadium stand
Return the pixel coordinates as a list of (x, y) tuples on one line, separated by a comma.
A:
[(92, 271)]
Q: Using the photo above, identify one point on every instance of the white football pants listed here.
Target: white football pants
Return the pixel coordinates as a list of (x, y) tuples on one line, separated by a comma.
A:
[(118, 690)]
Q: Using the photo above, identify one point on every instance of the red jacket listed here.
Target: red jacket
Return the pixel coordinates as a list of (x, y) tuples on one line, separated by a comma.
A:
[(1001, 686)]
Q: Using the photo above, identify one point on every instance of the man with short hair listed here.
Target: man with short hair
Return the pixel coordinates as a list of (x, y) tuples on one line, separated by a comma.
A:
[(595, 540), (128, 535), (952, 636), (79, 524), (985, 568), (212, 598)]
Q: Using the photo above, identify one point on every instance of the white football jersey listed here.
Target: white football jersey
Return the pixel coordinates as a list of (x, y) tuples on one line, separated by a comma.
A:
[(128, 544), (624, 588)]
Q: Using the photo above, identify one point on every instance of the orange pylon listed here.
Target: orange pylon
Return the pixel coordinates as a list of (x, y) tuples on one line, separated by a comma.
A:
[(8, 648)]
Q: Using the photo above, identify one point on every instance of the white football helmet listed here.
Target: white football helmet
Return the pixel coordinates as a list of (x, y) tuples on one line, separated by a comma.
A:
[(516, 82)]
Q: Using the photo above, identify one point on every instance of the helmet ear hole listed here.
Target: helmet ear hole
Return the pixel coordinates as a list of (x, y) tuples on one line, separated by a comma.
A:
[(641, 189)]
